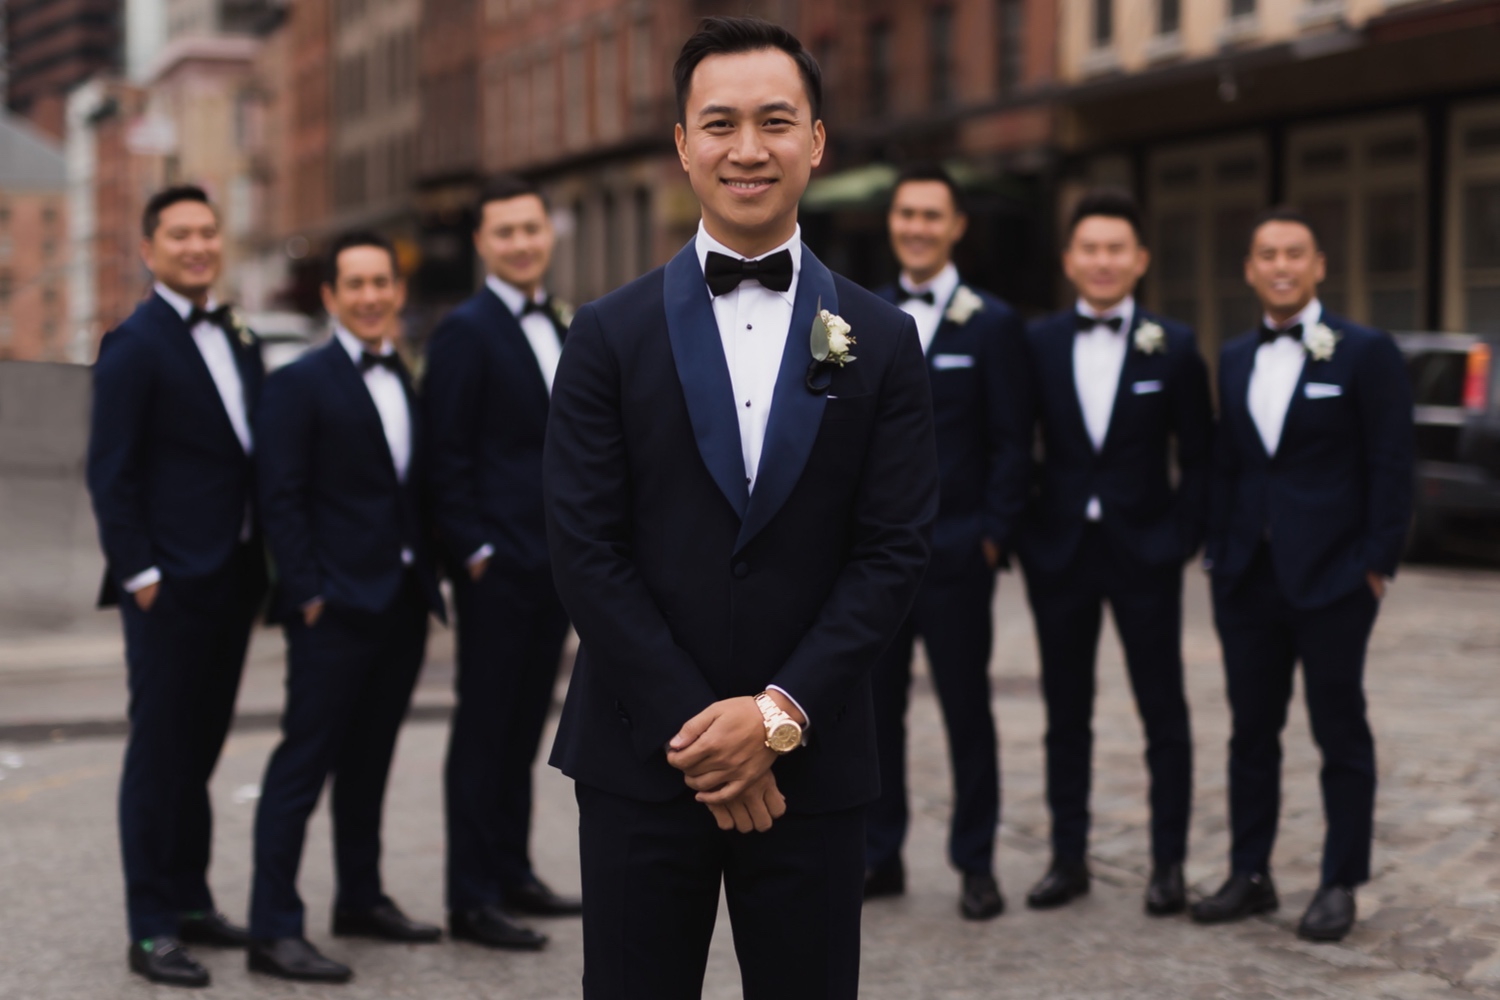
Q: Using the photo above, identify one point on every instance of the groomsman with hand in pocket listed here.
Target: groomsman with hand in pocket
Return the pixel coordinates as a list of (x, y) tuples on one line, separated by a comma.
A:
[(340, 485), (1311, 497), (1118, 394)]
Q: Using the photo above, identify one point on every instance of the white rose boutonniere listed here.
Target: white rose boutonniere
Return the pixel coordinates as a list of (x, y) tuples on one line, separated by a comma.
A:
[(241, 329), (830, 339), (1320, 342), (563, 313), (1150, 338), (964, 304)]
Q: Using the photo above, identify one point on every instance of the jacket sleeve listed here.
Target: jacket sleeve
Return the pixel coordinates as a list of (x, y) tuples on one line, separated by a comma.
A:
[(124, 381), (1193, 427), (895, 505), (286, 434), (1385, 410), (586, 483), (1006, 412), (452, 391), (1223, 473)]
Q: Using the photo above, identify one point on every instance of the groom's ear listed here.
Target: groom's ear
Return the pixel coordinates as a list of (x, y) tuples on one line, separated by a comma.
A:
[(679, 134), (820, 139)]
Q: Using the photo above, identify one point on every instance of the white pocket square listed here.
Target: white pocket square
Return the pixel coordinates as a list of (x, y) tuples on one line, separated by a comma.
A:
[(1151, 385), (1322, 390), (942, 362)]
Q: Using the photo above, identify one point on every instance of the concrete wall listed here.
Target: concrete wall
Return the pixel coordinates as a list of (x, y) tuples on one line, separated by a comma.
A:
[(50, 564)]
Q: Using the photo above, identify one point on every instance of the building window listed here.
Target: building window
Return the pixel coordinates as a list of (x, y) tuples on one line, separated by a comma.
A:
[(1010, 17), (575, 108), (880, 68), (607, 82), (940, 54), (544, 104), (1241, 8), (1104, 22), (1472, 295), (642, 68), (1168, 17)]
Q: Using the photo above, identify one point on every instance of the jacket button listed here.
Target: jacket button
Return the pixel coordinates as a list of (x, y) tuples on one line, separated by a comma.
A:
[(741, 570)]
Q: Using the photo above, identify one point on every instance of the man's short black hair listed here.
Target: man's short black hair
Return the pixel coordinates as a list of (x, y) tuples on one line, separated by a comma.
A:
[(931, 172), (504, 187), (350, 240), (721, 36), (1283, 213), (165, 199), (1111, 203)]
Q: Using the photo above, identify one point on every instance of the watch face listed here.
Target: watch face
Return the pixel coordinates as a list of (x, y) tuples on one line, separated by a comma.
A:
[(785, 737)]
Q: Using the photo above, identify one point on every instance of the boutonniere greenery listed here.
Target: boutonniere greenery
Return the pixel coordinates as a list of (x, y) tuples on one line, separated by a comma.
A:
[(562, 312), (830, 343), (241, 329), (1150, 338), (1320, 342), (965, 303)]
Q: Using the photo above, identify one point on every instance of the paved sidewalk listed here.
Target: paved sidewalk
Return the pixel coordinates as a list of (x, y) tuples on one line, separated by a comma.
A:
[(1430, 919)]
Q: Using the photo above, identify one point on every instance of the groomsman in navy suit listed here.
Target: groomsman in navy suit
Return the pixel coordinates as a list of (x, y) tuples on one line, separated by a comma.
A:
[(974, 346), (739, 498), (1114, 388), (341, 469), (490, 366), (170, 471), (1311, 498)]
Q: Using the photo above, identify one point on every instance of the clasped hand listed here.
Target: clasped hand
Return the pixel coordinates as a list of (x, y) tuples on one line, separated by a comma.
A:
[(723, 756)]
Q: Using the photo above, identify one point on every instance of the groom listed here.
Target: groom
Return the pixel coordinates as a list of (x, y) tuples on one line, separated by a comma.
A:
[(736, 531)]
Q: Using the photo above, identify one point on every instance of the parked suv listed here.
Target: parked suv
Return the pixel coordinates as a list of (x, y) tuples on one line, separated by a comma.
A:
[(1454, 377)]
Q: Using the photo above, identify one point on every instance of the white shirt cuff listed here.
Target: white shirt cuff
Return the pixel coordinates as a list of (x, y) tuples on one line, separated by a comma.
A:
[(481, 554), (1094, 512), (309, 603), (795, 703), (147, 577)]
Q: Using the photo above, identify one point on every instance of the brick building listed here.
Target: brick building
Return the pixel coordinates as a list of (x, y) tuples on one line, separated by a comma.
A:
[(54, 45), (33, 244)]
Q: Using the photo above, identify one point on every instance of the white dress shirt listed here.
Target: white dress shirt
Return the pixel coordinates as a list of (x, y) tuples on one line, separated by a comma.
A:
[(754, 323), (389, 396), (218, 355), (540, 332), (1098, 358), (929, 317), (753, 326), (1274, 377)]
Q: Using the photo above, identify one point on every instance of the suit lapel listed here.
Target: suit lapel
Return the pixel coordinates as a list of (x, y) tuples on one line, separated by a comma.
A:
[(1128, 370), (1061, 341), (704, 374), (1237, 385), (513, 339), (796, 413), (180, 336), (352, 383)]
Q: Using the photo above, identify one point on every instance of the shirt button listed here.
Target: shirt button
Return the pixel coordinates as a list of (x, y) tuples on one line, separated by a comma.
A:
[(741, 570), (747, 404)]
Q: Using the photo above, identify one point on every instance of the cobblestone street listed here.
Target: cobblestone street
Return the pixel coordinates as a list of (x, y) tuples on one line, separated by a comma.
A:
[(1429, 921)]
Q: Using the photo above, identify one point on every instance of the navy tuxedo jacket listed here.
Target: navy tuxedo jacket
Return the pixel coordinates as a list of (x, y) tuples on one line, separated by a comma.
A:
[(687, 589), (982, 448), (336, 516), (486, 416), (1162, 397), (169, 478), (1335, 501)]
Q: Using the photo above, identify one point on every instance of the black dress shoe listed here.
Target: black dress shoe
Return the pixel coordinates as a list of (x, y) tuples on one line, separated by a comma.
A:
[(888, 879), (165, 960), (981, 899), (1167, 891), (537, 900), (1330, 915), (384, 922), (1240, 897), (490, 927), (296, 958), (1063, 883), (212, 929)]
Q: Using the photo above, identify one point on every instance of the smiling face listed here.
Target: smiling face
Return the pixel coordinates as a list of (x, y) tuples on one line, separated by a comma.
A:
[(1284, 268), (1104, 260), (515, 240), (186, 250), (749, 145), (367, 296), (925, 225)]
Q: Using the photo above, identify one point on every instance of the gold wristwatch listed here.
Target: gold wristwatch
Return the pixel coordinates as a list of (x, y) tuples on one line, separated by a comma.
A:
[(783, 734)]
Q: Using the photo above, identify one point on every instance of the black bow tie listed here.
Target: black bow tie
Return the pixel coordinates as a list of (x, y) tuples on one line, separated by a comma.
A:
[(218, 317), (390, 362), (1084, 323), (724, 273), (533, 306), (903, 295), (1268, 334)]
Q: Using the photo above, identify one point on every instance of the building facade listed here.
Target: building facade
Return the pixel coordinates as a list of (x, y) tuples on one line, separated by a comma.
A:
[(33, 244), (52, 46), (1378, 118)]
